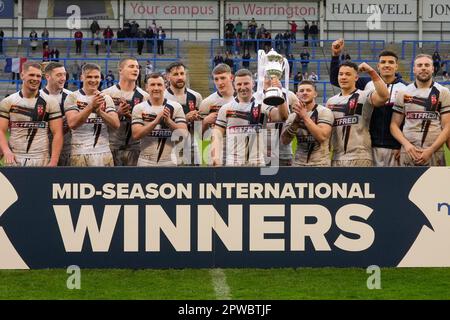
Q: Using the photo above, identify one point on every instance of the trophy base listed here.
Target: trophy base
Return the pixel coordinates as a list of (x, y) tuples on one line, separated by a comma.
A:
[(273, 97)]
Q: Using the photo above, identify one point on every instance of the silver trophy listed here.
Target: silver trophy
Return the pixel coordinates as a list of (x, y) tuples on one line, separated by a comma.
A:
[(272, 65)]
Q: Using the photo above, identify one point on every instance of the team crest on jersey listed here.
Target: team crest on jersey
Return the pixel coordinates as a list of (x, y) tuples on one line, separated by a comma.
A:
[(40, 110), (352, 103), (191, 105), (136, 101), (255, 113), (434, 100)]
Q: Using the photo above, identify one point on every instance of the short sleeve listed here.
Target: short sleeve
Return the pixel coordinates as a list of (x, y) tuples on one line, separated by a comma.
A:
[(178, 114), (71, 103), (5, 106), (445, 102), (221, 120), (399, 105), (53, 109), (136, 116), (326, 116), (110, 106)]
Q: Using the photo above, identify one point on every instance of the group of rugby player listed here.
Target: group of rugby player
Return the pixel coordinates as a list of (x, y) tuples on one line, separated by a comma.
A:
[(379, 121)]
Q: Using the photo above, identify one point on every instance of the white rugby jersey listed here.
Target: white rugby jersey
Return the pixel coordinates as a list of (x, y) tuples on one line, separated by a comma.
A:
[(243, 122), (422, 109), (91, 137), (61, 98), (309, 151), (121, 138), (213, 103), (350, 136), (29, 122), (157, 145)]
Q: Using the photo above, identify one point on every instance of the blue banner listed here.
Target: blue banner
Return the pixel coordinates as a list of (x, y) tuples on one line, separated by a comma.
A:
[(6, 9), (223, 217)]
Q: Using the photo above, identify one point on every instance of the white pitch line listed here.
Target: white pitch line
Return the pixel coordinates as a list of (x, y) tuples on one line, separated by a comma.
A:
[(221, 287)]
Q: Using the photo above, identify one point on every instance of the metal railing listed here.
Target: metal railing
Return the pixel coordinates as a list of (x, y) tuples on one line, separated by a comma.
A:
[(424, 46)]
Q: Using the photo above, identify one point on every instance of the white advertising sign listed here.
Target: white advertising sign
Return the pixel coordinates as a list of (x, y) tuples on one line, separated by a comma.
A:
[(175, 10), (436, 10), (272, 10), (364, 10)]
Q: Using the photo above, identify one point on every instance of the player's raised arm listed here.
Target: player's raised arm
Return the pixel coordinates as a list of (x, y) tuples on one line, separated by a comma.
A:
[(381, 93)]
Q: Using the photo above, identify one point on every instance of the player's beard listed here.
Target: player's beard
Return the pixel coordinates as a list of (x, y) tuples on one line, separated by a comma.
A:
[(423, 79), (179, 84)]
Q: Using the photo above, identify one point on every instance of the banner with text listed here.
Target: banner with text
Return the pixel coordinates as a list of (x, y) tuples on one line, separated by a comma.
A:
[(223, 217), (173, 10), (271, 11), (362, 10), (436, 10)]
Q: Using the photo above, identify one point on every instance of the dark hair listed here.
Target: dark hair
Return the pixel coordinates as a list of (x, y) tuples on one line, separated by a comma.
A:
[(173, 65), (388, 53), (349, 64), (52, 66), (311, 83)]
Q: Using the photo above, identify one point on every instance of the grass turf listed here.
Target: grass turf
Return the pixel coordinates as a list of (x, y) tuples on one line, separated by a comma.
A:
[(186, 284)]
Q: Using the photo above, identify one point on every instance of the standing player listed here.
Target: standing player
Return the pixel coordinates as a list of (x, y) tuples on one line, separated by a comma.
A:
[(189, 99), (29, 114), (56, 76), (242, 119), (385, 148), (425, 107), (352, 110), (126, 95), (154, 121), (89, 113), (209, 108), (311, 124)]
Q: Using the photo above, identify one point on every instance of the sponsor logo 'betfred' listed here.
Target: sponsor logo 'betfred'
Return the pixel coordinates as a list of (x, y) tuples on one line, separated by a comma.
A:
[(345, 121), (422, 115)]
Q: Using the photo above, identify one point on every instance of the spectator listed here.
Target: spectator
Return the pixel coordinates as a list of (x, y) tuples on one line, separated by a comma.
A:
[(287, 43), (2, 35), (304, 56), (94, 29), (134, 29), (121, 35), (150, 39), (229, 27), (127, 29), (246, 60), (314, 31), (238, 29), (262, 30), (251, 30), (54, 55), (140, 42), (218, 59), (267, 41), (75, 70), (110, 79), (291, 63), (108, 34), (78, 38), (160, 42), (306, 33), (436, 62), (293, 30), (445, 76), (229, 41), (279, 42), (148, 69), (228, 60), (154, 27), (297, 79), (46, 54), (33, 40), (345, 56), (313, 77), (45, 38), (97, 41)]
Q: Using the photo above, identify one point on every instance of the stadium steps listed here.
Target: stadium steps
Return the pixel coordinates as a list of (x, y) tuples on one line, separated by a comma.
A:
[(197, 61)]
